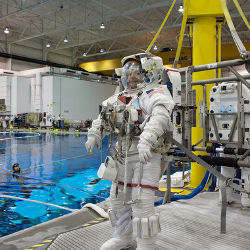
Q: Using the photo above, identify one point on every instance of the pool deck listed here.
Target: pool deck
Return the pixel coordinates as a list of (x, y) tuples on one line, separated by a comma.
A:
[(41, 235), (186, 224)]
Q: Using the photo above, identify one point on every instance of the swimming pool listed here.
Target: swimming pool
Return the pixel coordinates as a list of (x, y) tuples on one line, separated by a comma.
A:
[(57, 170)]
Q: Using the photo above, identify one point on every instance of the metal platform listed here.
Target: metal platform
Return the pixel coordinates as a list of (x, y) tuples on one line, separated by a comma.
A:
[(187, 224)]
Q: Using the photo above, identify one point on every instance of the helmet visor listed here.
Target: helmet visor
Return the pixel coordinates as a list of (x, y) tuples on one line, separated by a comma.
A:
[(131, 75)]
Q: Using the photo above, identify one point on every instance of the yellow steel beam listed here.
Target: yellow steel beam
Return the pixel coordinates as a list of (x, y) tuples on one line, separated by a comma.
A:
[(101, 65), (198, 8), (204, 51), (106, 67), (203, 14)]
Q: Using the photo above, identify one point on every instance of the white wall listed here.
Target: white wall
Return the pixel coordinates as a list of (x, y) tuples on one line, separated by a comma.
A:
[(5, 87), (47, 94), (75, 99), (20, 95)]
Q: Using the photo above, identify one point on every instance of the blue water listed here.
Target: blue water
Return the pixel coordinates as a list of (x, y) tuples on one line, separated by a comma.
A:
[(56, 169)]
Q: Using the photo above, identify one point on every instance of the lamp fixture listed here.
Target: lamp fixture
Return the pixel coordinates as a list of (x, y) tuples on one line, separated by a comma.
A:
[(155, 48), (102, 26), (101, 50), (84, 54), (181, 9), (65, 40), (6, 30), (48, 45)]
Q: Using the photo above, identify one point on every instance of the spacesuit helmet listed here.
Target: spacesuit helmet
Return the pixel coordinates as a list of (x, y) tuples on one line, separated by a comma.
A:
[(140, 70)]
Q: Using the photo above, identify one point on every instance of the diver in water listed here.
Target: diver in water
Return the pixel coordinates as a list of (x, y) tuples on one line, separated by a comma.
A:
[(16, 169), (17, 174)]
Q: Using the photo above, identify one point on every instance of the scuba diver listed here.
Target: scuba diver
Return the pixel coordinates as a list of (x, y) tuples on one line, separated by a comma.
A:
[(139, 116)]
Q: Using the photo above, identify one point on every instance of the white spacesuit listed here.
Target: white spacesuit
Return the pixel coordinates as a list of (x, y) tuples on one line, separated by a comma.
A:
[(139, 116)]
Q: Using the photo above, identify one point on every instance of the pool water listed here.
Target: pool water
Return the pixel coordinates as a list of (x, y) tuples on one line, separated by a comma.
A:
[(56, 169)]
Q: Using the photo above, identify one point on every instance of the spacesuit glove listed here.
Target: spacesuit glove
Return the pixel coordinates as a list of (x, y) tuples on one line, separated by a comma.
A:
[(144, 152), (90, 144)]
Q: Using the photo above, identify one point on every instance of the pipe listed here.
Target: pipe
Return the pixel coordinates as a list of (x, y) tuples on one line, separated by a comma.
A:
[(37, 61), (220, 161), (218, 80), (231, 151), (209, 66)]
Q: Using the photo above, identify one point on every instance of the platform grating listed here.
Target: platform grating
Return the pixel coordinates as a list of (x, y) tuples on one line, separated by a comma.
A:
[(190, 225)]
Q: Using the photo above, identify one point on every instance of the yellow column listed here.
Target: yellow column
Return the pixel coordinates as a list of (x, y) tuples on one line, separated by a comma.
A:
[(204, 51)]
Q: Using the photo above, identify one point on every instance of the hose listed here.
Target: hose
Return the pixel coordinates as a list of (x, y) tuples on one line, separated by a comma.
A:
[(196, 191)]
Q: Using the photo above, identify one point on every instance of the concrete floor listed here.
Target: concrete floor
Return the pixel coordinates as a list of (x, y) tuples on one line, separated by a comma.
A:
[(188, 224)]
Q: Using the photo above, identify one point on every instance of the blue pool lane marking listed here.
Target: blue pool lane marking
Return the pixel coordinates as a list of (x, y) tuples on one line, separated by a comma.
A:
[(66, 159), (51, 163), (21, 137)]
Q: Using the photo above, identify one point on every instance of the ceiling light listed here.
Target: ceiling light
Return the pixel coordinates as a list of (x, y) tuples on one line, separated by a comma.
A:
[(155, 47), (84, 54), (101, 50), (48, 45), (102, 26), (6, 30), (181, 9), (66, 40)]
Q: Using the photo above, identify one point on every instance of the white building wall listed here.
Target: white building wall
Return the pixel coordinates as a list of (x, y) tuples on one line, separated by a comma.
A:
[(36, 93), (20, 95), (75, 99), (5, 87), (47, 94), (80, 98)]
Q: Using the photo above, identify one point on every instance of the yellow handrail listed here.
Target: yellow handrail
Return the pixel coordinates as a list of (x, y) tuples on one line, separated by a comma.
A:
[(159, 30), (236, 38), (219, 48), (183, 28), (241, 13)]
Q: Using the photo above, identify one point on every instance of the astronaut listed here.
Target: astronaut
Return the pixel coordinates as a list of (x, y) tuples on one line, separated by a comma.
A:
[(139, 116)]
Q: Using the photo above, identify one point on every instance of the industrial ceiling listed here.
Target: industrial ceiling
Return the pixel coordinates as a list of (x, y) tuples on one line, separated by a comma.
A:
[(68, 31)]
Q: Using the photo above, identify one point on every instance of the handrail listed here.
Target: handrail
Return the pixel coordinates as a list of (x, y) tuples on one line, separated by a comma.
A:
[(241, 13), (183, 28), (236, 38)]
